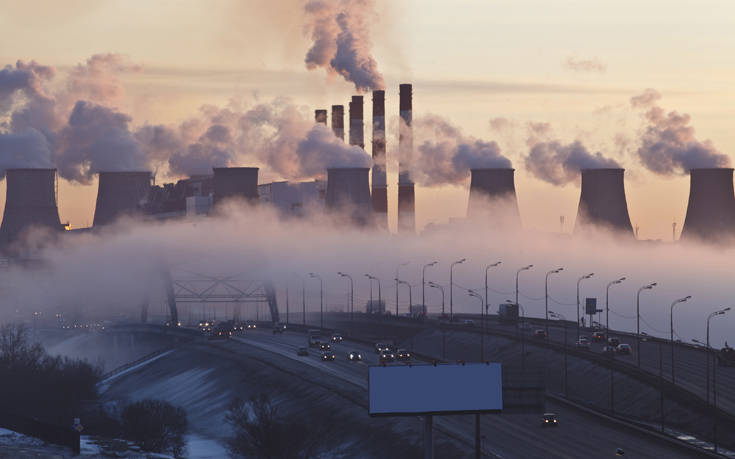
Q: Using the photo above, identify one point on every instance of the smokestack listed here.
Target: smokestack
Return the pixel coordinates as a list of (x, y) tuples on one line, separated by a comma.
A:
[(493, 195), (356, 124), (406, 197), (348, 191), (120, 193), (602, 201), (338, 121), (30, 201), (320, 116), (380, 185), (711, 209), (235, 182)]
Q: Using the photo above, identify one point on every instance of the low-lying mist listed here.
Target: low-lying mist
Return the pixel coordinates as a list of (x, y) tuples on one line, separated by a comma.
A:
[(107, 274)]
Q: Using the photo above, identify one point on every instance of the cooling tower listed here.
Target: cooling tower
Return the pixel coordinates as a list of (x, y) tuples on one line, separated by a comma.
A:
[(380, 185), (602, 201), (30, 201), (348, 191), (320, 116), (356, 123), (406, 197), (235, 182), (338, 121), (120, 193), (493, 196), (711, 209)]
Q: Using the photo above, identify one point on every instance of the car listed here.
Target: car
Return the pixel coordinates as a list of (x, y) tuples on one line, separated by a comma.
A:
[(540, 333), (469, 322), (584, 339), (598, 337), (387, 356), (337, 338), (613, 342), (238, 326), (550, 420), (325, 347), (623, 349), (302, 351), (581, 344), (354, 356), (380, 347), (328, 356), (220, 332), (609, 350), (403, 355), (279, 327), (250, 324)]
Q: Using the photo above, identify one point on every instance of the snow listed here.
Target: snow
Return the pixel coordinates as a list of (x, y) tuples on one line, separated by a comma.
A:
[(202, 448), (104, 384)]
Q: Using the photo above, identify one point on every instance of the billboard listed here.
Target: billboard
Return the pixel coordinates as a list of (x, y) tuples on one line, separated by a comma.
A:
[(441, 389), (590, 306)]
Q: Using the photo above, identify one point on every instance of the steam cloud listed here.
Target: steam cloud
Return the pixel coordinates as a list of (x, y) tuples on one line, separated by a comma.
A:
[(669, 144), (445, 155), (559, 164), (341, 41), (585, 65)]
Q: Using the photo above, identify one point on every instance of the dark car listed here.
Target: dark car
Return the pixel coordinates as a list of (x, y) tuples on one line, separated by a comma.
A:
[(613, 342), (325, 347), (302, 351), (403, 355), (583, 344), (540, 333), (221, 333), (598, 337), (608, 350), (550, 420), (279, 327), (354, 356), (328, 356), (623, 349), (250, 324), (337, 338), (387, 356), (380, 347)]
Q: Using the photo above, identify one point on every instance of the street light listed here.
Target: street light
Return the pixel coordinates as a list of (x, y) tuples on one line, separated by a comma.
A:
[(638, 319), (410, 299), (451, 288), (397, 275), (525, 268), (482, 332), (607, 303), (709, 317), (352, 295), (373, 278), (423, 283), (437, 286), (561, 317), (586, 276), (546, 297), (303, 298), (487, 303), (321, 298), (680, 300)]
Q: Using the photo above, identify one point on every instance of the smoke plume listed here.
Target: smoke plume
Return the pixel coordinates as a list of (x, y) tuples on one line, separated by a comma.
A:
[(26, 79), (585, 65), (559, 164), (669, 144), (340, 35)]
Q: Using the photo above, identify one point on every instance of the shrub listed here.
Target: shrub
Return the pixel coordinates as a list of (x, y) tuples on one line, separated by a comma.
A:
[(155, 425)]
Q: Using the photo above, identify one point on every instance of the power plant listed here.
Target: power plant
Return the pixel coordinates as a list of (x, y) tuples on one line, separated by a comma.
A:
[(406, 196), (711, 209), (120, 193), (348, 191), (30, 202), (320, 116), (379, 182), (356, 123), (338, 121), (602, 202), (231, 182), (493, 197)]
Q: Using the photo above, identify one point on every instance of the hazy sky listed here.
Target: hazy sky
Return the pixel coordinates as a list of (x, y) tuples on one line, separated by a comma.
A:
[(573, 64)]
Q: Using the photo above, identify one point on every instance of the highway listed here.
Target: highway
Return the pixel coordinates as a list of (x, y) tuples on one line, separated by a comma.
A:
[(579, 434)]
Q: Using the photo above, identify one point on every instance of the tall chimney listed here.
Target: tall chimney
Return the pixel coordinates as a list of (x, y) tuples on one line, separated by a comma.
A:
[(493, 196), (348, 191), (406, 197), (320, 116), (602, 201), (235, 182), (356, 123), (711, 209), (380, 185), (120, 193), (338, 121), (30, 201)]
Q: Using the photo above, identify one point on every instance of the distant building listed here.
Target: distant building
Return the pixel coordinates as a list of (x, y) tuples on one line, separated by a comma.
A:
[(375, 307), (293, 199)]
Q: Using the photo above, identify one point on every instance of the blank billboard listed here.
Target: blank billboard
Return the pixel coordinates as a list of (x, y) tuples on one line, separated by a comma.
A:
[(429, 389)]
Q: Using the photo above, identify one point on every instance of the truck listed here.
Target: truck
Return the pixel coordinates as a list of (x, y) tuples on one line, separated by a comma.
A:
[(508, 312), (314, 338), (418, 311)]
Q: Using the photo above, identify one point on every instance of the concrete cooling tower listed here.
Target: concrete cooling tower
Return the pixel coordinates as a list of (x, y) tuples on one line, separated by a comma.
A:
[(348, 191), (711, 209), (602, 201), (30, 201), (232, 182), (493, 195), (120, 193)]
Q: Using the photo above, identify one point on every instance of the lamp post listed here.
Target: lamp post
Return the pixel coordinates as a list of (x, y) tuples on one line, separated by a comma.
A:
[(398, 268), (546, 297), (373, 278), (487, 304), (525, 268), (709, 317), (586, 276), (321, 298), (437, 286), (607, 303), (482, 332), (410, 299), (423, 283), (352, 296), (564, 322), (638, 319), (303, 298), (370, 280), (671, 316), (444, 343), (451, 288)]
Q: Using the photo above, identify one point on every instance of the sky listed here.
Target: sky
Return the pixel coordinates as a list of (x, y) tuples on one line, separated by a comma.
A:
[(572, 64)]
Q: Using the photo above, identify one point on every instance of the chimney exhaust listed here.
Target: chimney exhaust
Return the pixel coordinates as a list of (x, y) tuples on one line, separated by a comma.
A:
[(406, 196), (30, 201), (356, 123), (493, 196), (120, 193), (711, 209), (380, 185), (602, 201), (348, 191), (232, 182), (320, 116), (338, 121)]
